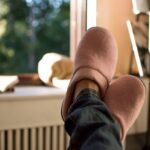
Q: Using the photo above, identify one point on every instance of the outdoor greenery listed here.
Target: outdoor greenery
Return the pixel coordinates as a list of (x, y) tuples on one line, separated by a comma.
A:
[(29, 29)]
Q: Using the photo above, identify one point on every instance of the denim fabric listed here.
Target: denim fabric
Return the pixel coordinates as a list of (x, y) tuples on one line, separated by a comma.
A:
[(90, 124)]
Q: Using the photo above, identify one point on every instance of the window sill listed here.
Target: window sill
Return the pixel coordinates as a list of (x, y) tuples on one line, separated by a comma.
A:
[(34, 92)]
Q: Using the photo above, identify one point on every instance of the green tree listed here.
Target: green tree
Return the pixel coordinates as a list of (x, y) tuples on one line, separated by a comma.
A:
[(32, 28)]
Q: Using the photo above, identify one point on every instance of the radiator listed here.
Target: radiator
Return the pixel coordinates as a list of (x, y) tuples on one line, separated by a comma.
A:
[(40, 138)]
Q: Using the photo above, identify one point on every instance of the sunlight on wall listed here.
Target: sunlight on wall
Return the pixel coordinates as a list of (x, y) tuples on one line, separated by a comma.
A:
[(91, 13)]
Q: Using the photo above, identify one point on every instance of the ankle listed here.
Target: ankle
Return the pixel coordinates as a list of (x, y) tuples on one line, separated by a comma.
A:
[(85, 84)]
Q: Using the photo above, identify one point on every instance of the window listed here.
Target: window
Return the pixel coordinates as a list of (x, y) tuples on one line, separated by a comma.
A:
[(29, 29)]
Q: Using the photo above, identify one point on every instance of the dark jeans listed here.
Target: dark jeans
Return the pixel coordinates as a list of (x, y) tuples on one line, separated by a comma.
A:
[(90, 124)]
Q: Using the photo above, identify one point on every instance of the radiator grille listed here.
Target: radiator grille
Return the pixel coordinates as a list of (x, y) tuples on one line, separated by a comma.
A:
[(41, 138)]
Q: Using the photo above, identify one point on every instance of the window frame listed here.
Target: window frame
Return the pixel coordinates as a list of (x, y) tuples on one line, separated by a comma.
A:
[(78, 23)]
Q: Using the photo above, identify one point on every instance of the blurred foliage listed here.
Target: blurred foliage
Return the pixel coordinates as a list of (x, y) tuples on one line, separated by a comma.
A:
[(29, 29)]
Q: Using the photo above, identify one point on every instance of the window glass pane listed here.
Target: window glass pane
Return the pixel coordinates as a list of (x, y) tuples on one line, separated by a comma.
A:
[(29, 29)]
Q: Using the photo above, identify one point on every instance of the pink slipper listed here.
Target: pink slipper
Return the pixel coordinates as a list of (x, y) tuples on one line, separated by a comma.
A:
[(95, 60), (125, 98)]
